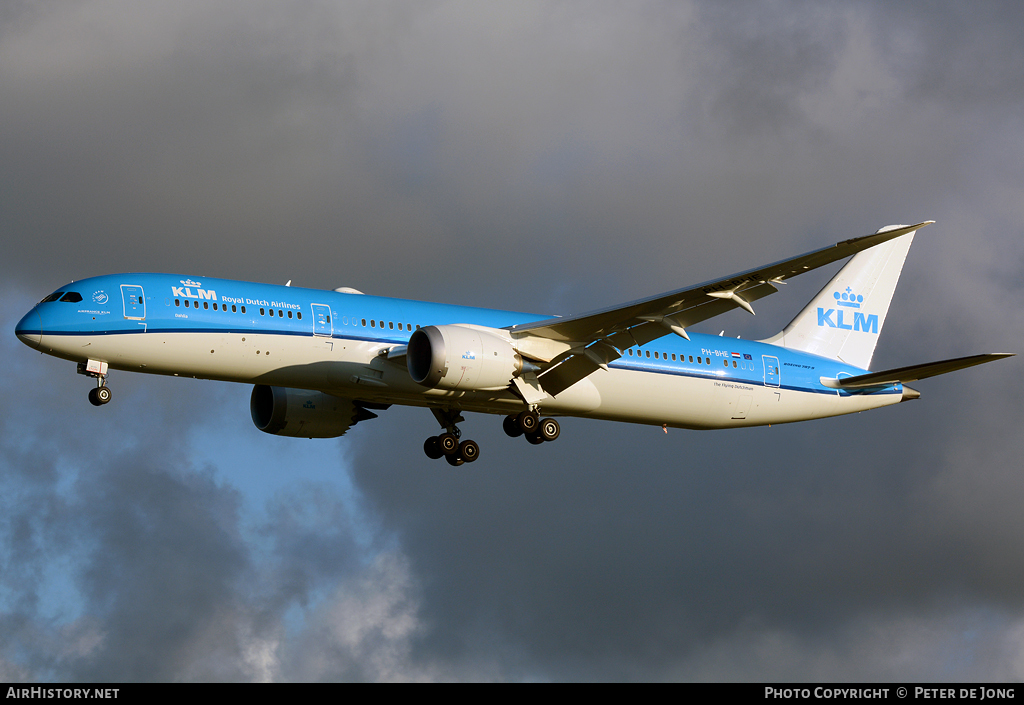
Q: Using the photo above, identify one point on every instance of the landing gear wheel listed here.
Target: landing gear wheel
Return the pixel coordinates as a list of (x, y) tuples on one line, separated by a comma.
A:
[(103, 394), (94, 398), (535, 438), (549, 429), (432, 447), (528, 421), (449, 444), (469, 451), (454, 460), (511, 427)]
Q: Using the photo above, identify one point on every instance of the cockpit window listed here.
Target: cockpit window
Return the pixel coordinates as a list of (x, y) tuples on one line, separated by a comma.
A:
[(52, 297), (72, 297)]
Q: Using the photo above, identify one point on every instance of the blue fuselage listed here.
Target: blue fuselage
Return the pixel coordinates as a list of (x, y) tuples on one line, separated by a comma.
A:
[(337, 342)]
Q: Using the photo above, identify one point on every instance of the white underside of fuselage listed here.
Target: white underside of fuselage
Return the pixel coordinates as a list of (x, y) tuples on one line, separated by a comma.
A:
[(355, 369)]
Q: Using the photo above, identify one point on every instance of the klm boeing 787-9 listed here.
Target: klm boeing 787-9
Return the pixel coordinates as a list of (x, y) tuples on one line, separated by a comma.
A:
[(322, 361)]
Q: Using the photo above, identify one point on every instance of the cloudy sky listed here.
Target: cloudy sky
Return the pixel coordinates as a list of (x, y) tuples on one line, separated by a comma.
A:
[(555, 157)]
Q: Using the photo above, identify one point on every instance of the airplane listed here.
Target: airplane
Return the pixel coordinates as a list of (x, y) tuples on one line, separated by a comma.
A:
[(322, 361)]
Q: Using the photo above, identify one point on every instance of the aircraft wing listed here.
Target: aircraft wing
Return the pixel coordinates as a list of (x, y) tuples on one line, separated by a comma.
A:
[(911, 373), (573, 347)]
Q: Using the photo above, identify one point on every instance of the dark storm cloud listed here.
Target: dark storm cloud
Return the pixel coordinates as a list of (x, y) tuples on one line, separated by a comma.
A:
[(125, 558), (553, 157), (629, 552)]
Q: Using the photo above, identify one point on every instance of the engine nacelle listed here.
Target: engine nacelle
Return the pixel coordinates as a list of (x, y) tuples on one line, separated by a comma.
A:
[(462, 357), (301, 413)]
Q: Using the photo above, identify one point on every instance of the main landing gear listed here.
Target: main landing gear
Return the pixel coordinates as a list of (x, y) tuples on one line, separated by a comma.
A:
[(447, 445), (529, 424), (97, 370)]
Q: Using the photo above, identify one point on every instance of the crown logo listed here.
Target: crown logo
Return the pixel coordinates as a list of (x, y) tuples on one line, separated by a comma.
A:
[(848, 298), (189, 282)]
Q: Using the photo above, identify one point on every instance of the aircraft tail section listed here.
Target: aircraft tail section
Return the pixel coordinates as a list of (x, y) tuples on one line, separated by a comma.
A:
[(843, 321)]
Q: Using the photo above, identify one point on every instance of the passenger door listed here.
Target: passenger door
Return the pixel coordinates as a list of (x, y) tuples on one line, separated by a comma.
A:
[(134, 300), (771, 371), (322, 325)]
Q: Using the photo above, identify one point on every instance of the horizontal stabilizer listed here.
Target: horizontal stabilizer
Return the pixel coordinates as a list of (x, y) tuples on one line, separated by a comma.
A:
[(912, 373)]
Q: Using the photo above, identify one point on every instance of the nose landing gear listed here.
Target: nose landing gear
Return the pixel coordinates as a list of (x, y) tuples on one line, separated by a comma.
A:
[(97, 370), (100, 395)]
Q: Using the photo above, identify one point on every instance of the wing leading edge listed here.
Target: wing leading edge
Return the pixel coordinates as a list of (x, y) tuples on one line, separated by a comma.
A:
[(573, 347)]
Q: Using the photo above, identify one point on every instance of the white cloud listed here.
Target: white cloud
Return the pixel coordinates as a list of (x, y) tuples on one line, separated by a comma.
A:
[(365, 629)]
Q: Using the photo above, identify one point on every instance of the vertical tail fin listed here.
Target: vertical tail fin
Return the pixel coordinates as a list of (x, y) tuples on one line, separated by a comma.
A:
[(845, 318)]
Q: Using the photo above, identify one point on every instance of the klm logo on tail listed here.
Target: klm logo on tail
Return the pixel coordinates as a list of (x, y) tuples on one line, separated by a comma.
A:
[(848, 300)]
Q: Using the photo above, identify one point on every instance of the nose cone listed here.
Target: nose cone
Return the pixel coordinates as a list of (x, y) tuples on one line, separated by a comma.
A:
[(30, 329)]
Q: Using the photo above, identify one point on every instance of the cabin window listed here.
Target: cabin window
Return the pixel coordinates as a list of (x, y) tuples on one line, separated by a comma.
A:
[(243, 309), (726, 362), (364, 322), (262, 312), (648, 353), (289, 314), (215, 307), (177, 302), (382, 324), (391, 326), (206, 305), (700, 361), (280, 313), (299, 314), (655, 354), (399, 326), (373, 323), (233, 309), (734, 364)]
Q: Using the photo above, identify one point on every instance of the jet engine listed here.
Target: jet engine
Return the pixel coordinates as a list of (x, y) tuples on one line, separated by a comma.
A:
[(469, 358), (301, 413)]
